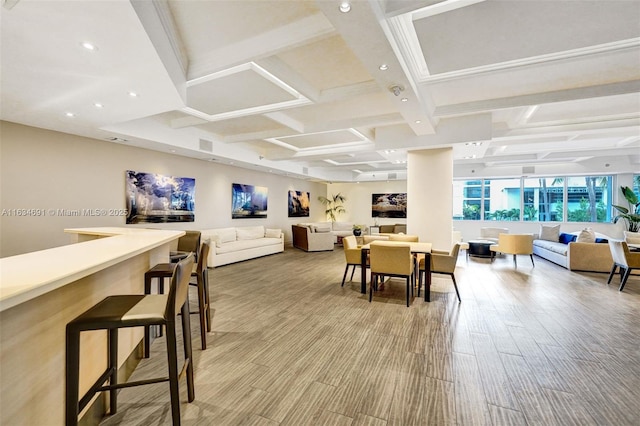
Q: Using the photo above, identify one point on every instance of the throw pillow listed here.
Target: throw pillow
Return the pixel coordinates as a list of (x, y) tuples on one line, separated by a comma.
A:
[(250, 232), (272, 233), (632, 237), (215, 240), (587, 235), (322, 228), (550, 233), (567, 238)]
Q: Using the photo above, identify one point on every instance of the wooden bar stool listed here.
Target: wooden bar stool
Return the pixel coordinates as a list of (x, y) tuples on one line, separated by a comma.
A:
[(200, 272), (115, 312)]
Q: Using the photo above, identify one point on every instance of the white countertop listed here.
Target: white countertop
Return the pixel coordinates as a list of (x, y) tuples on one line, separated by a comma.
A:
[(27, 276)]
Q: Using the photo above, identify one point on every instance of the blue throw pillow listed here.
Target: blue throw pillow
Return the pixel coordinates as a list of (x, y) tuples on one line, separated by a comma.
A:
[(567, 238), (602, 240)]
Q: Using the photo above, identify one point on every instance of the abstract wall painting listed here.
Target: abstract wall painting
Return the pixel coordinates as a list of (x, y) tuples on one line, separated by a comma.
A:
[(248, 201), (298, 204), (389, 205), (155, 198)]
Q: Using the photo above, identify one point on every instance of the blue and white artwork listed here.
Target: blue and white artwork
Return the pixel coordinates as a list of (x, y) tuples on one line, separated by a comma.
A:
[(155, 198)]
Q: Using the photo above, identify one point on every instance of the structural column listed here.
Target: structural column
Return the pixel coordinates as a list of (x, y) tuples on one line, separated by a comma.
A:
[(430, 201)]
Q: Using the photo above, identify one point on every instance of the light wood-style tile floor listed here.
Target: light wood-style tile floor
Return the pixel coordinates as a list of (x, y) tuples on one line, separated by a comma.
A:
[(528, 346)]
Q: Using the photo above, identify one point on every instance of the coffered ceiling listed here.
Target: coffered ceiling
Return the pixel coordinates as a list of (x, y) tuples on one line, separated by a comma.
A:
[(301, 88)]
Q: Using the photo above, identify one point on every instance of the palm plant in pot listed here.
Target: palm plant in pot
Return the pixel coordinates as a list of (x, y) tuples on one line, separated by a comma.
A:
[(630, 215), (334, 205)]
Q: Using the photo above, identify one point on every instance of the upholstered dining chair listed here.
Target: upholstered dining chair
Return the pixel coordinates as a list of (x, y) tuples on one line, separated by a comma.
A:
[(404, 237), (188, 243), (623, 259), (514, 244), (352, 254), (388, 259), (442, 262)]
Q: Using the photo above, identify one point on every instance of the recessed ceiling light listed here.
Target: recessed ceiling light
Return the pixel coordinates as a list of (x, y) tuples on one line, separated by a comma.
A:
[(418, 121), (383, 67), (89, 46), (345, 7), (69, 114), (404, 99), (133, 94), (98, 105)]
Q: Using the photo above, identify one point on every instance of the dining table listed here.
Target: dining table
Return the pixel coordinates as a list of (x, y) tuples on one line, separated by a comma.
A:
[(415, 248)]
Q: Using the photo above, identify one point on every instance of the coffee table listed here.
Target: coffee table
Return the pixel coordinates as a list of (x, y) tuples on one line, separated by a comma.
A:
[(480, 248)]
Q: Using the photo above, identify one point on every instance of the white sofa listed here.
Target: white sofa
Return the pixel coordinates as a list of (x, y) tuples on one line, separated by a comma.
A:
[(229, 245)]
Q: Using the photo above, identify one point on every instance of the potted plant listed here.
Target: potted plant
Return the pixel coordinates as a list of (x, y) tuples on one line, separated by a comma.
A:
[(333, 205), (357, 230), (630, 215)]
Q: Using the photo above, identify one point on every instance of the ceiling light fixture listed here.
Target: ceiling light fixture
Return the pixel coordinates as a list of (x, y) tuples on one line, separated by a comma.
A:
[(404, 99), (345, 7), (133, 94), (98, 105), (383, 67), (70, 114), (418, 121), (89, 46)]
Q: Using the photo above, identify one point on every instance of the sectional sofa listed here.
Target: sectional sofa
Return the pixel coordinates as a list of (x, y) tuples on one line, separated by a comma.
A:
[(229, 245)]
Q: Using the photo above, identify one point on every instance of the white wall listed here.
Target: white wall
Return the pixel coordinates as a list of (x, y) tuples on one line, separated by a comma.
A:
[(358, 204), (42, 169)]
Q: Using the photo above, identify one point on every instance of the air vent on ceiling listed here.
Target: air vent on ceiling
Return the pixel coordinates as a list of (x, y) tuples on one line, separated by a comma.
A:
[(206, 145), (392, 176), (528, 170)]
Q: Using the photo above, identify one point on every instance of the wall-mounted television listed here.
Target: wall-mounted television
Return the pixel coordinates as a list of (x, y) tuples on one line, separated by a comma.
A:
[(248, 201), (389, 205)]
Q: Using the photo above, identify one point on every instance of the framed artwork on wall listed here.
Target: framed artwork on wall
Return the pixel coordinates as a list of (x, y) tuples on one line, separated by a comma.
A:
[(155, 198), (389, 205), (298, 204), (248, 201)]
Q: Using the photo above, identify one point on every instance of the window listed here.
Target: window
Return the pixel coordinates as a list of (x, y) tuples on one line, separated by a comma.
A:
[(589, 199), (467, 199), (504, 199), (543, 199)]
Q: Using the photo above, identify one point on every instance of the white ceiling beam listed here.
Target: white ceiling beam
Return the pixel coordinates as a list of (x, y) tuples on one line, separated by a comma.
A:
[(619, 88)]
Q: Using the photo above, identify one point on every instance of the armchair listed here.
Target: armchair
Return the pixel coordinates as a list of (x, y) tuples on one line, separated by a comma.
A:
[(403, 237), (513, 244), (392, 260), (352, 254), (442, 262), (623, 259)]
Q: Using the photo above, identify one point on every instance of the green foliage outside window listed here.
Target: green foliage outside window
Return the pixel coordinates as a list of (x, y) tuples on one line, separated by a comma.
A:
[(584, 212), (471, 212)]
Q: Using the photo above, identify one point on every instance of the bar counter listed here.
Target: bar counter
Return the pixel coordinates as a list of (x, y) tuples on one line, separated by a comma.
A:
[(41, 292)]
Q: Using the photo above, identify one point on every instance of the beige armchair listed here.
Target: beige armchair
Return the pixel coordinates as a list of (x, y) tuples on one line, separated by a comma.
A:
[(513, 244), (393, 260), (442, 262), (403, 237), (623, 259), (352, 254)]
